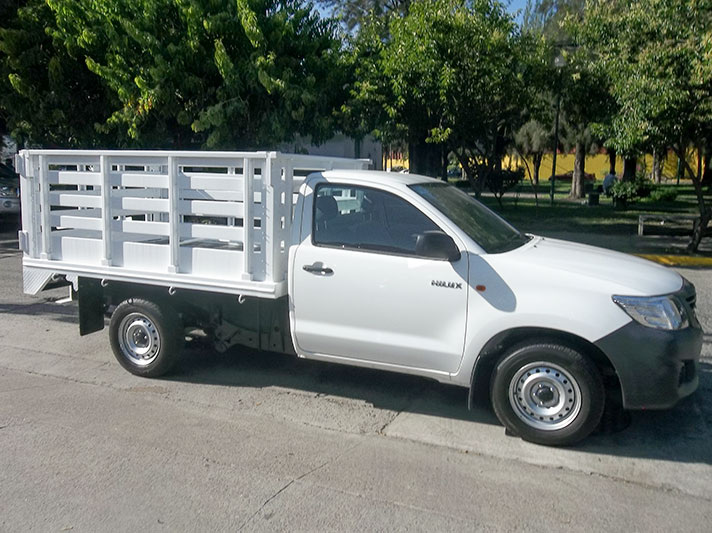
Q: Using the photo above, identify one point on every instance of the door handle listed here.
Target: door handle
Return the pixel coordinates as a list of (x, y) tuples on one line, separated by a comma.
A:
[(317, 268)]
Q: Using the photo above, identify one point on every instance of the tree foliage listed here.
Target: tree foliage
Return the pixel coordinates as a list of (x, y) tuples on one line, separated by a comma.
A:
[(447, 76), (657, 56), (241, 73), (47, 96), (585, 100), (214, 73), (582, 92), (533, 140)]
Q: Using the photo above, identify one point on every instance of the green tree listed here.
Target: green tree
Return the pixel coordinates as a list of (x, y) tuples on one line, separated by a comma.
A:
[(8, 12), (47, 96), (585, 100), (219, 73), (582, 92), (168, 73), (448, 76), (536, 135), (370, 95), (657, 55), (533, 140)]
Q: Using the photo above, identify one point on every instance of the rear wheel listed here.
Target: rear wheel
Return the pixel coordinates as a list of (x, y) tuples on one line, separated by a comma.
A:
[(547, 393), (146, 339)]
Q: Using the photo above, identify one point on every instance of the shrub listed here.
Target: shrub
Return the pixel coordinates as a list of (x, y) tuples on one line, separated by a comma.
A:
[(630, 191), (663, 194), (643, 186), (625, 190)]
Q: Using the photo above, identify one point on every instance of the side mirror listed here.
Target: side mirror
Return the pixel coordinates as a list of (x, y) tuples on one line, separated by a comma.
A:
[(437, 245)]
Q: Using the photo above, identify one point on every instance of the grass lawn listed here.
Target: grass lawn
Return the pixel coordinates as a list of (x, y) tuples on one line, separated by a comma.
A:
[(574, 215)]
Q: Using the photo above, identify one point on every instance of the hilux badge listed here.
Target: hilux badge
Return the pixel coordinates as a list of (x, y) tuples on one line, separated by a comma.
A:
[(446, 284)]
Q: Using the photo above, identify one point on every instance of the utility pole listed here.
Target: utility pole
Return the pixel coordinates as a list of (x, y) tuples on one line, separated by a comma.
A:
[(559, 63), (556, 148)]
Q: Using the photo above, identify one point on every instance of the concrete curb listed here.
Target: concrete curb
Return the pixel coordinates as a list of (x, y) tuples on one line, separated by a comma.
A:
[(679, 260)]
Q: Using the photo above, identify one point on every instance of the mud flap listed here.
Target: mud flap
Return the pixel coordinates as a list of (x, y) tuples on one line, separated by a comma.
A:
[(91, 306)]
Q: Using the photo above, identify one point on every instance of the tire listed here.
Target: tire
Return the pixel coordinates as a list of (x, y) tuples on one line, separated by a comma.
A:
[(146, 339), (547, 393)]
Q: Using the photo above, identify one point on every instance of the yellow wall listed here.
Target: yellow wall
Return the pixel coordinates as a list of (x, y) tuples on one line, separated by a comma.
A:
[(598, 164), (595, 164)]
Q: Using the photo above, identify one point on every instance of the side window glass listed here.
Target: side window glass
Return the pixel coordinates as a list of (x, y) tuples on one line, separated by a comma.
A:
[(367, 219)]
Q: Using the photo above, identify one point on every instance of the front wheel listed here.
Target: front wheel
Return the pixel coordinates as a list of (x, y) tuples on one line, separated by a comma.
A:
[(146, 339), (547, 393)]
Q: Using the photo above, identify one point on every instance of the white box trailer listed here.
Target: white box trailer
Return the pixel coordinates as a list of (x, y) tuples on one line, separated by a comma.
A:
[(217, 221)]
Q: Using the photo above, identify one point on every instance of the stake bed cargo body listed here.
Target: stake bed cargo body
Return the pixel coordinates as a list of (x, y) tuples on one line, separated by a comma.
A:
[(165, 218), (389, 271)]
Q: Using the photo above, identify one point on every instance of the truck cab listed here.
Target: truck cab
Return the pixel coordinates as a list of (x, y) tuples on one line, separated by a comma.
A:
[(406, 273)]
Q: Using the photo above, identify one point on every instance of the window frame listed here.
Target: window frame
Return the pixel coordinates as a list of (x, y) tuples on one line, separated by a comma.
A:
[(367, 250)]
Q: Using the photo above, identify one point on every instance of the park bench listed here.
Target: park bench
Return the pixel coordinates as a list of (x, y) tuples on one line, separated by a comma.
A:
[(662, 219)]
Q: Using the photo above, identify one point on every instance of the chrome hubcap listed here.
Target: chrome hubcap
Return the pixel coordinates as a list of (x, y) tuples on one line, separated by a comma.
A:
[(545, 396), (139, 339)]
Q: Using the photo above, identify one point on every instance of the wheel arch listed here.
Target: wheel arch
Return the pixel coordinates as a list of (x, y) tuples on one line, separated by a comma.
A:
[(499, 344), (119, 291)]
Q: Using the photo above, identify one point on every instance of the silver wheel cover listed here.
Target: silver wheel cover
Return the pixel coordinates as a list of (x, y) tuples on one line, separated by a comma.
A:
[(139, 339), (545, 396)]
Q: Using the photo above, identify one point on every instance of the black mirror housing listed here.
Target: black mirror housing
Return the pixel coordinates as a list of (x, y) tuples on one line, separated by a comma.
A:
[(437, 245)]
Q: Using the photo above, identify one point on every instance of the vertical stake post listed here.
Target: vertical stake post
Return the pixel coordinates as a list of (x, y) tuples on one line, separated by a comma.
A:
[(105, 164), (173, 215), (45, 209)]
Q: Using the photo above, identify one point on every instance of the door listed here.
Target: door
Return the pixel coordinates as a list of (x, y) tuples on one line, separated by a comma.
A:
[(360, 290)]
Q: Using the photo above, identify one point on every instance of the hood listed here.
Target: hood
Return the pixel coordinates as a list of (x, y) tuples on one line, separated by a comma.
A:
[(633, 276)]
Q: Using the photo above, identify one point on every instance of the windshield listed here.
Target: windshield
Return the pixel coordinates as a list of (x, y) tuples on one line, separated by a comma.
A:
[(487, 229)]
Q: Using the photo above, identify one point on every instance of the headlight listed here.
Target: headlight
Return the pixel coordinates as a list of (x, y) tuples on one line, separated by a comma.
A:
[(659, 312)]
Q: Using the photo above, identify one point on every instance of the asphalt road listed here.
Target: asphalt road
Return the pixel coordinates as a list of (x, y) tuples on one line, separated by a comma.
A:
[(266, 442)]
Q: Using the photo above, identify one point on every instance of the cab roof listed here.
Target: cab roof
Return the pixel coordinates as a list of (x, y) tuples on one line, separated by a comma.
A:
[(377, 177)]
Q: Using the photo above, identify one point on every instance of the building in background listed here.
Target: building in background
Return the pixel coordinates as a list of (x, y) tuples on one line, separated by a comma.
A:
[(339, 145)]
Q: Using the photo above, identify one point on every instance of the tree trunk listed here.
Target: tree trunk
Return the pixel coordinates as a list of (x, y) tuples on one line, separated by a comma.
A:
[(629, 164), (611, 161), (537, 165), (658, 159), (499, 148), (701, 227), (424, 158), (705, 214), (468, 168), (415, 157), (707, 173), (579, 171)]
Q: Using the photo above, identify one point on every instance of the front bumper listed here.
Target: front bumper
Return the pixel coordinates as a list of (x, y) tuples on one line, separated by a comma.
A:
[(656, 368)]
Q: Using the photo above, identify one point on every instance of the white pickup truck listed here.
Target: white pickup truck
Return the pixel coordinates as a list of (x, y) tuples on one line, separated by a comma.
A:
[(320, 258)]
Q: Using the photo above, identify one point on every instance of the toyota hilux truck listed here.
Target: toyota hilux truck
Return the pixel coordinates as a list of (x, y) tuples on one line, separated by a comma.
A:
[(321, 258)]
